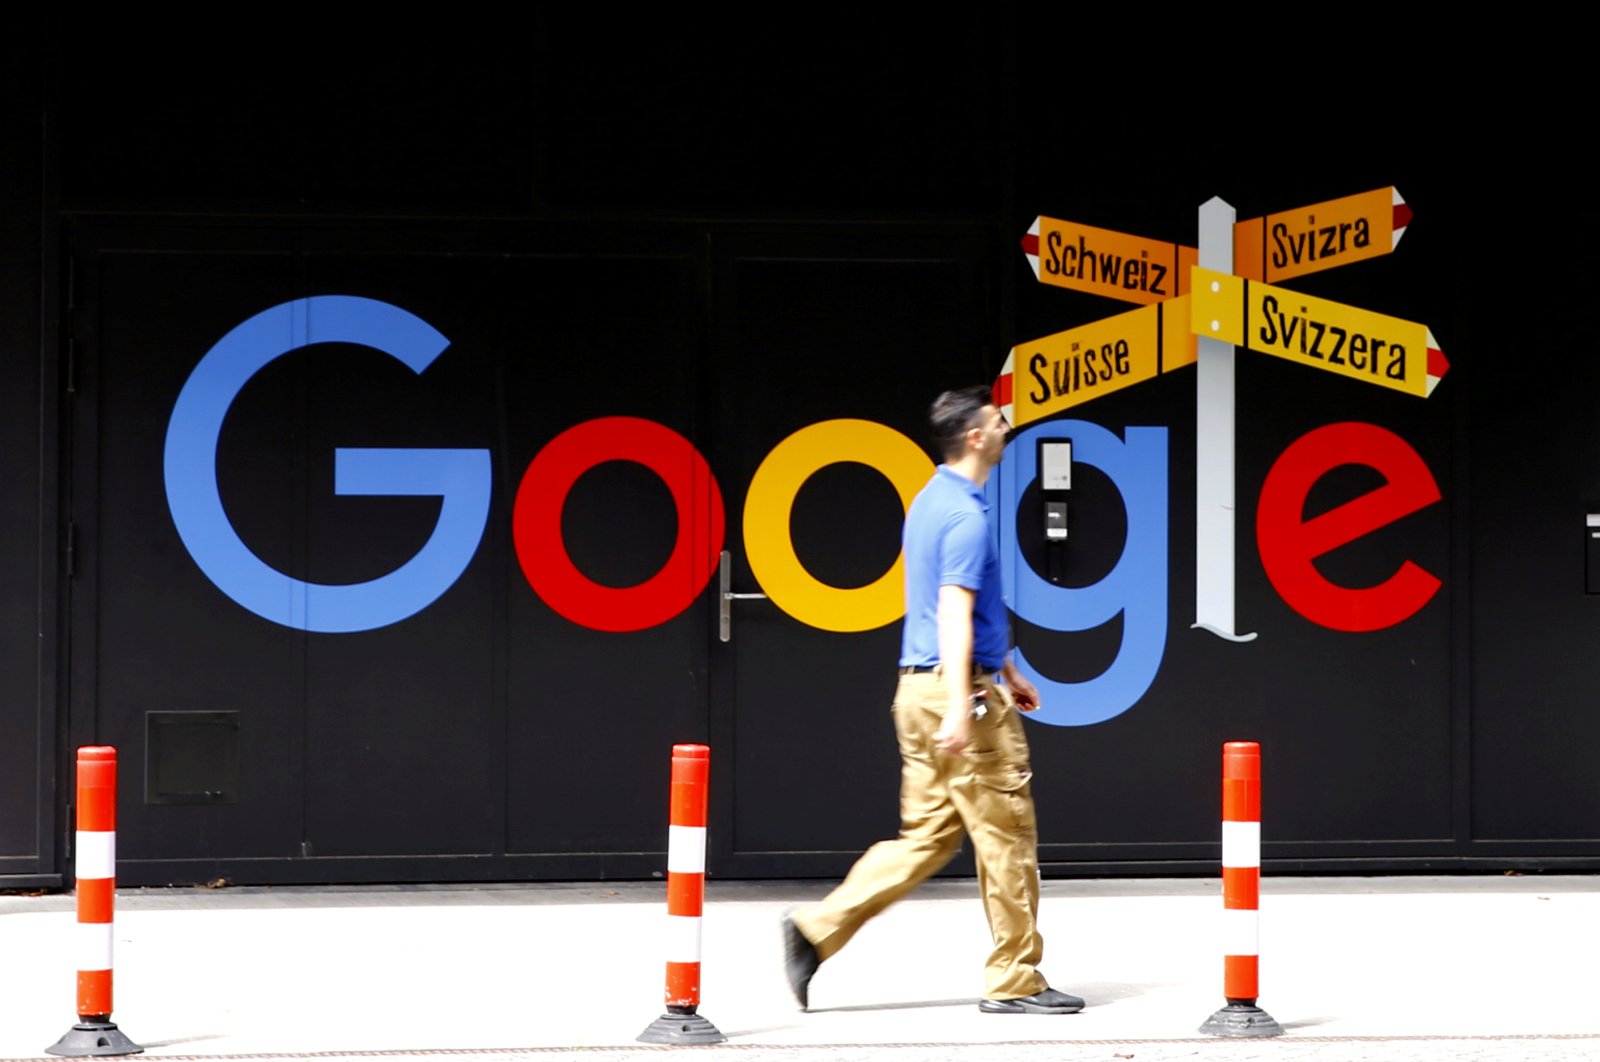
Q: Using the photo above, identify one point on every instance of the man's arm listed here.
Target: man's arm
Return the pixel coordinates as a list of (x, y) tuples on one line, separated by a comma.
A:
[(955, 654)]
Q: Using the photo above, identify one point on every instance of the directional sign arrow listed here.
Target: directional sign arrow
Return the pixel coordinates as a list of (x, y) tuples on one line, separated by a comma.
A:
[(1326, 335), (1312, 238), (1291, 243), (1069, 368), (1106, 262)]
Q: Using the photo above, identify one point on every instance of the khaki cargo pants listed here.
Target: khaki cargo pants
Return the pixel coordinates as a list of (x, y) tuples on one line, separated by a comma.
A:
[(986, 791)]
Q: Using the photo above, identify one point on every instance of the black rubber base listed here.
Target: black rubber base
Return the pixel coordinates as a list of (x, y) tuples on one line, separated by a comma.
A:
[(88, 1038), (681, 1029), (1241, 1019)]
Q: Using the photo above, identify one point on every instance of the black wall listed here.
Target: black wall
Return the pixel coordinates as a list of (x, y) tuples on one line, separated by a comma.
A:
[(737, 235), (28, 528)]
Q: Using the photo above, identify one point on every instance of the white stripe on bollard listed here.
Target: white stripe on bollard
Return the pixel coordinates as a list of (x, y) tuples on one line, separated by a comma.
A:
[(682, 938), (92, 945), (96, 853), (1241, 844), (686, 849), (1241, 933)]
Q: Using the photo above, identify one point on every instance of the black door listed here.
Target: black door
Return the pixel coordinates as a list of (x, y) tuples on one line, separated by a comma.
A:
[(832, 347), (489, 726)]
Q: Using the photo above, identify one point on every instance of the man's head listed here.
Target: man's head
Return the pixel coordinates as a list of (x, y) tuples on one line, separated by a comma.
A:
[(965, 422)]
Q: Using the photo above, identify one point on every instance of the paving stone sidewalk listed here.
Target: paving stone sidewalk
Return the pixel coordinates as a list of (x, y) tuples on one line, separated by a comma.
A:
[(1464, 968)]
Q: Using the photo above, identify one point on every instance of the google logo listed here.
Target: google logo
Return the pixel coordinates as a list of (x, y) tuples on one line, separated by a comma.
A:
[(1136, 588)]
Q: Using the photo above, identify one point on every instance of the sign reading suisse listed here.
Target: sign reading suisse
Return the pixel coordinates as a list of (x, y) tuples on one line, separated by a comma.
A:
[(1323, 334), (1066, 369), (1292, 243)]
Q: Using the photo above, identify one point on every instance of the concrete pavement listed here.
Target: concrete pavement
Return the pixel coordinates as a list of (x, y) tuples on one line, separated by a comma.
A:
[(1354, 968)]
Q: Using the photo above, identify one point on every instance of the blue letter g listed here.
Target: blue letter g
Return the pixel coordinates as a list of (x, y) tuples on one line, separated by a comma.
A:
[(461, 478)]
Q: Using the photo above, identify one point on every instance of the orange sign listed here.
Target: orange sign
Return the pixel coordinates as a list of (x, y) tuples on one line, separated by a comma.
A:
[(1105, 262), (1312, 238)]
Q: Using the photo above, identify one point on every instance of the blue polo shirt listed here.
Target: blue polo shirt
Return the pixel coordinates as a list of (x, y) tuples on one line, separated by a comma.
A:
[(949, 541)]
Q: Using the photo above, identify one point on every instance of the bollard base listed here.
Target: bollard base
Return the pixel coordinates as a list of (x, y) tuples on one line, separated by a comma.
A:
[(1241, 1019), (689, 1028), (89, 1038)]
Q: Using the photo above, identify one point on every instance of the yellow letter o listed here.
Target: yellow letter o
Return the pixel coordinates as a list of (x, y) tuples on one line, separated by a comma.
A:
[(770, 501)]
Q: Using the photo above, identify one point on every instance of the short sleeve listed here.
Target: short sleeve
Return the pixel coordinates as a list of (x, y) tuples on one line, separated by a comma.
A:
[(963, 548)]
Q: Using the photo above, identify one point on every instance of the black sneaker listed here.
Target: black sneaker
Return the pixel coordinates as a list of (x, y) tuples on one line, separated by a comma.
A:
[(1045, 1001), (799, 960)]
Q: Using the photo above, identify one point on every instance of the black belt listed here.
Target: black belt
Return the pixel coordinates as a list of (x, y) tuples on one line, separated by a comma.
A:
[(978, 670)]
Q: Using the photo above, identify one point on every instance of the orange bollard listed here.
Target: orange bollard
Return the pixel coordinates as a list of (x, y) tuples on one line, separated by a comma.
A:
[(95, 867), (686, 888), (1241, 896)]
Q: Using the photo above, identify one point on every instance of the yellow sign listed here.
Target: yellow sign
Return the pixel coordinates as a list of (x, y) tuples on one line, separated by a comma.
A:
[(1320, 236), (1069, 368), (1331, 336), (1105, 262), (1292, 243)]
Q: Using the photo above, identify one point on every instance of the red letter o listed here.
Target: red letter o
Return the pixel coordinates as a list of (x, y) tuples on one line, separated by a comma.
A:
[(536, 524)]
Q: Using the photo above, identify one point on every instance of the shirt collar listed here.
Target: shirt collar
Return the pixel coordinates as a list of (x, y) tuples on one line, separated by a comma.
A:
[(966, 484)]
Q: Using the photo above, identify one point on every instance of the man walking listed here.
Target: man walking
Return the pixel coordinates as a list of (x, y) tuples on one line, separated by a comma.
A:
[(964, 758)]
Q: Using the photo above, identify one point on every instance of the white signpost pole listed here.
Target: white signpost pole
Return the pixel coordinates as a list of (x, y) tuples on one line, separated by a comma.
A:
[(1214, 448)]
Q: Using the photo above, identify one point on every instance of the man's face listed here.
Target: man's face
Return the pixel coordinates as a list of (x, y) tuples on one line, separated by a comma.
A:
[(992, 432)]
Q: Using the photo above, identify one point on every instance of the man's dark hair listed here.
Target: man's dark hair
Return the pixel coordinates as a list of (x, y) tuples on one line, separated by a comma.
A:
[(953, 414)]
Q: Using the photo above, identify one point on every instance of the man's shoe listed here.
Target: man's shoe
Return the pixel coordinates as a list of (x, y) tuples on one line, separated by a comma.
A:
[(799, 960), (1046, 1001)]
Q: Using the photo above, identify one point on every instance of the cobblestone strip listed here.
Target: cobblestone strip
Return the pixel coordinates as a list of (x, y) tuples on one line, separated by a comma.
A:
[(1554, 1048)]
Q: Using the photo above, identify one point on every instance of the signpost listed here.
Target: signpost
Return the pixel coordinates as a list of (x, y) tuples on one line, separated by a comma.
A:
[(1225, 291), (1214, 448)]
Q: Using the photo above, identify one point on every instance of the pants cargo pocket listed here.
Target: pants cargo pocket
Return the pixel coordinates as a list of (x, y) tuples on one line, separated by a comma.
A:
[(1002, 785)]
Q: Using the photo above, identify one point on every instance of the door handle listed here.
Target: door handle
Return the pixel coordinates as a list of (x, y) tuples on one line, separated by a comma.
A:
[(726, 597)]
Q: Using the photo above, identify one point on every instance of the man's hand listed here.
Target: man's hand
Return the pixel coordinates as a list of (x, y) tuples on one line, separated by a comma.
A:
[(1025, 693), (953, 734), (954, 617)]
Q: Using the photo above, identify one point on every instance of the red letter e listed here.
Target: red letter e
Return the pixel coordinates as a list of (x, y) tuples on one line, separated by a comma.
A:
[(1289, 544)]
